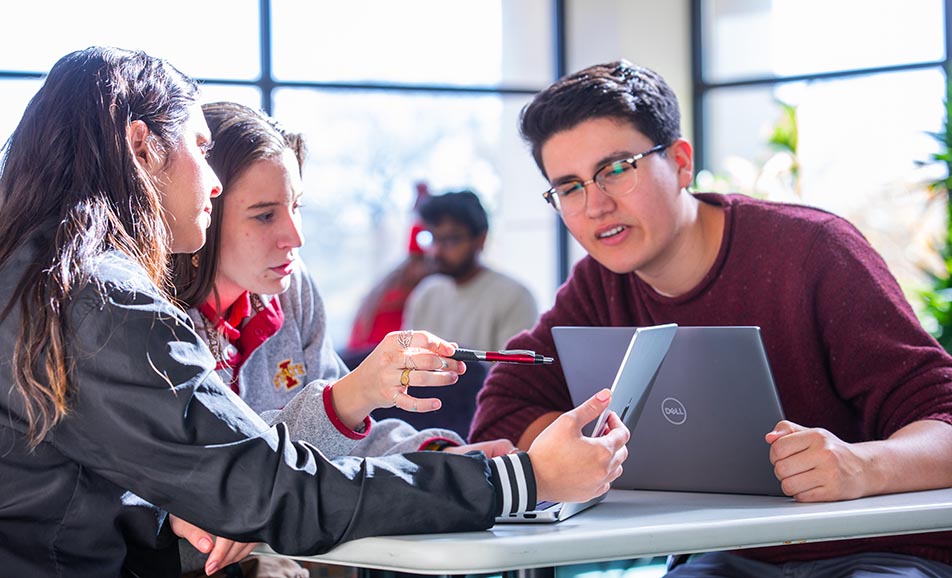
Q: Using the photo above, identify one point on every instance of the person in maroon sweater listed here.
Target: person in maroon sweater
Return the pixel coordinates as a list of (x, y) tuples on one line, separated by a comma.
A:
[(867, 392)]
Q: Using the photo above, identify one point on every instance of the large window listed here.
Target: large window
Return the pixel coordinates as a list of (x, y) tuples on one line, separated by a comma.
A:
[(389, 94), (848, 91)]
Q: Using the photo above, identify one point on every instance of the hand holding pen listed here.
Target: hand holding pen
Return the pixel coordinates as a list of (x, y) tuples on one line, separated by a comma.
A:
[(503, 356)]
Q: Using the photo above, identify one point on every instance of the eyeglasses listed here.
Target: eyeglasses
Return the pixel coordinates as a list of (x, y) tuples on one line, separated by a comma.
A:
[(614, 179), (426, 239)]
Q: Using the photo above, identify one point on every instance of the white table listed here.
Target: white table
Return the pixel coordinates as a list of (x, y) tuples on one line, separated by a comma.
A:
[(634, 524)]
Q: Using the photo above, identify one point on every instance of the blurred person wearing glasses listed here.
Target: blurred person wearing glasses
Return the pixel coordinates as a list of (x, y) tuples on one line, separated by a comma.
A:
[(867, 391), (467, 301)]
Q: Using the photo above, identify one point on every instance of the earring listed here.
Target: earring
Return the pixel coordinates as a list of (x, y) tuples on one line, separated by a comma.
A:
[(195, 260)]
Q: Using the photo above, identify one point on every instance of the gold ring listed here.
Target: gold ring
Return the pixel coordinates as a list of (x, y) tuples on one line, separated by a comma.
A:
[(405, 377), (404, 338)]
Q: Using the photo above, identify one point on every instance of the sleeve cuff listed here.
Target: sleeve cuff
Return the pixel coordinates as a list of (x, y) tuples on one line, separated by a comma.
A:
[(336, 421), (437, 444), (514, 481)]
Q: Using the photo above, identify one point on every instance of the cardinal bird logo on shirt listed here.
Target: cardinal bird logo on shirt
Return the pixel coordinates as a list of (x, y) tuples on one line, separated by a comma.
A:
[(287, 375)]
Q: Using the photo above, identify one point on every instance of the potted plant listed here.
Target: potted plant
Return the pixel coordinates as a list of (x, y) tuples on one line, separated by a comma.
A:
[(937, 299)]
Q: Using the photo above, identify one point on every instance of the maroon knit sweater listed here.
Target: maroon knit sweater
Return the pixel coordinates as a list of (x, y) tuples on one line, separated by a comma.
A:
[(845, 347)]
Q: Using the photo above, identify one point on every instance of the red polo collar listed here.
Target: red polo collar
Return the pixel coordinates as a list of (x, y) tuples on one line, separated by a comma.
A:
[(245, 328)]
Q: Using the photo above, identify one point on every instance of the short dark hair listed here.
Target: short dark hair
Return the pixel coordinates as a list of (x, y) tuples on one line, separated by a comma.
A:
[(462, 206), (617, 90)]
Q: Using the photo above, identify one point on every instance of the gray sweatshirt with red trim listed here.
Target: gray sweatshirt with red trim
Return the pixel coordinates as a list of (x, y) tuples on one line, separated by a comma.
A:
[(284, 380)]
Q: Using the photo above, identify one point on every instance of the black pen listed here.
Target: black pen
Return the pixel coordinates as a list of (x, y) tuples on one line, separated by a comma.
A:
[(504, 356)]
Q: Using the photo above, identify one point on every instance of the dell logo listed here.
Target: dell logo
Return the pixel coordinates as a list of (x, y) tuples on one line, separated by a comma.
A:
[(673, 411)]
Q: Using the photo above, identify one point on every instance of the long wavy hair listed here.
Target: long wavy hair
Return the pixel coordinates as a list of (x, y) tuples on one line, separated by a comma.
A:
[(69, 164), (242, 136)]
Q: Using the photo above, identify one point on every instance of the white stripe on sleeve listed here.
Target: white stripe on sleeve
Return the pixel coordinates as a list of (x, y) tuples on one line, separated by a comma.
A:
[(521, 484)]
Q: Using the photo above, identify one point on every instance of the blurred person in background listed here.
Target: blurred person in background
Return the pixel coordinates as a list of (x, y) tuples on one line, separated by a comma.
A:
[(467, 301)]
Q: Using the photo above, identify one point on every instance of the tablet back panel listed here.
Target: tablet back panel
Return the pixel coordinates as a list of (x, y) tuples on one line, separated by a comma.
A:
[(590, 358)]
